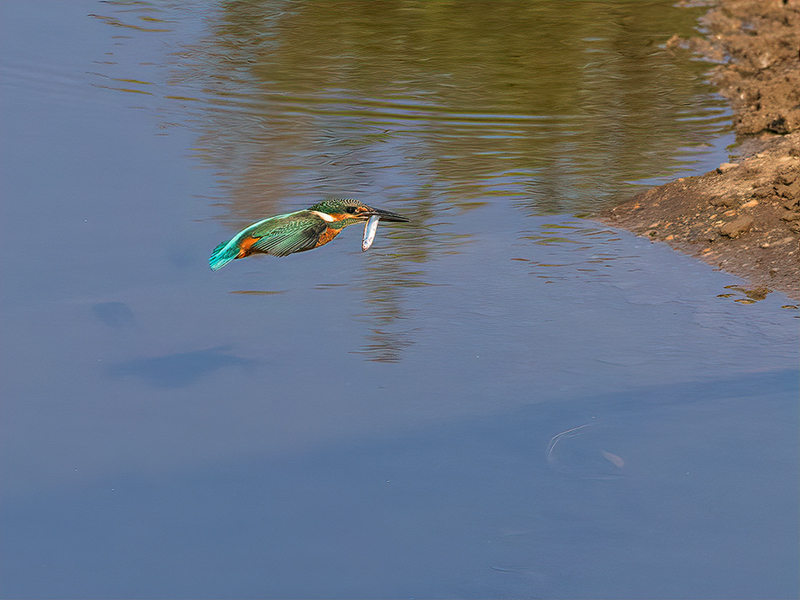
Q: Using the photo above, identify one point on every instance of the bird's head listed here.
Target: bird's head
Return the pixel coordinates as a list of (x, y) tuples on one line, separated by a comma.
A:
[(348, 211)]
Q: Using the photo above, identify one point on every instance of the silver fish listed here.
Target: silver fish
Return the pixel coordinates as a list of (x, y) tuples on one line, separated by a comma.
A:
[(370, 229)]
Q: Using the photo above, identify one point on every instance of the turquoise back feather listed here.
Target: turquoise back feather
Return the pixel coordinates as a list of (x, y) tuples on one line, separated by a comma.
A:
[(227, 251), (223, 254)]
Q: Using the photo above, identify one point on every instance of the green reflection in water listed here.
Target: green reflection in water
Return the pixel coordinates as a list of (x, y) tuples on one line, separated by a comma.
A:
[(556, 104), (550, 106), (442, 109), (752, 295)]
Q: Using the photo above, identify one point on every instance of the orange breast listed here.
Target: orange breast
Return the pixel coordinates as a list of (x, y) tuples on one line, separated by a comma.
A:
[(245, 245), (327, 236)]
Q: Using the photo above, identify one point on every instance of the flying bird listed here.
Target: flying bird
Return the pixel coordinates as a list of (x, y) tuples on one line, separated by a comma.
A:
[(299, 231)]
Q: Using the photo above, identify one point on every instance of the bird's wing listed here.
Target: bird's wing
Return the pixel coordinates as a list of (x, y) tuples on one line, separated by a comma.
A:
[(295, 234)]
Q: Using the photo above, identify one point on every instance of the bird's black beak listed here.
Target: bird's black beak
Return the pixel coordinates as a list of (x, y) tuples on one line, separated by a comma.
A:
[(385, 215)]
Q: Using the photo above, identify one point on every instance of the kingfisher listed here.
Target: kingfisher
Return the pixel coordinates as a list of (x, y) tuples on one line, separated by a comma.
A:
[(299, 231)]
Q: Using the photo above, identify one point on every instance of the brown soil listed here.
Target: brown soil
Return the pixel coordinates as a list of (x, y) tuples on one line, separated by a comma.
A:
[(745, 216)]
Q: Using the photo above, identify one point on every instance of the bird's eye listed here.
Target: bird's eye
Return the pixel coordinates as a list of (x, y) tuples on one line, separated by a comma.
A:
[(351, 209)]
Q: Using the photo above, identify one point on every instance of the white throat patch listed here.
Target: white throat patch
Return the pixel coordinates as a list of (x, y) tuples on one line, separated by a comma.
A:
[(325, 217)]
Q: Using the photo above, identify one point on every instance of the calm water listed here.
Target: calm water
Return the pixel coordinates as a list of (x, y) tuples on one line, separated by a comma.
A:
[(499, 400)]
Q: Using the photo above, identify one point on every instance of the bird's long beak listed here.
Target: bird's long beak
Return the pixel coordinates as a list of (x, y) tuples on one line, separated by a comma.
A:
[(385, 215)]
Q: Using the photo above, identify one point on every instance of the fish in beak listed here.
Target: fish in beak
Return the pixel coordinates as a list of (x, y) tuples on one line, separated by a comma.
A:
[(371, 226)]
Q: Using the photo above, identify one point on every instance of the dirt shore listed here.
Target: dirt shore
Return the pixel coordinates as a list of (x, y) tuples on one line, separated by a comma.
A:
[(744, 217)]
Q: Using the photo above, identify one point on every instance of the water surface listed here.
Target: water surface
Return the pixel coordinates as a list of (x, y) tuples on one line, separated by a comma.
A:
[(500, 399)]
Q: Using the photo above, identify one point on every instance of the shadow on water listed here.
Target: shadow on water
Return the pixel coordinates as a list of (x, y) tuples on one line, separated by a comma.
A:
[(178, 370), (114, 314)]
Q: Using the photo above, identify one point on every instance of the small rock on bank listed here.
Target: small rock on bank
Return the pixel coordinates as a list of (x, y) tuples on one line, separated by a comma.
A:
[(737, 227)]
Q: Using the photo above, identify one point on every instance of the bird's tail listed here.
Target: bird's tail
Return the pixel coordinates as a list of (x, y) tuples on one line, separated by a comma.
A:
[(223, 254)]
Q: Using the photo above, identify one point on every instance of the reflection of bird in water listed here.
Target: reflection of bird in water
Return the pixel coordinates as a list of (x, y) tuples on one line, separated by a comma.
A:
[(299, 231)]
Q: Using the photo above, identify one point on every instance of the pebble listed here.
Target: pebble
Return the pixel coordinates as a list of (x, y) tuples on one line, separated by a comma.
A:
[(721, 201), (764, 60), (724, 167), (736, 227), (750, 204)]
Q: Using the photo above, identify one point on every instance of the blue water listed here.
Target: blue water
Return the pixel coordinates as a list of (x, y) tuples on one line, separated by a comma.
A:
[(499, 400)]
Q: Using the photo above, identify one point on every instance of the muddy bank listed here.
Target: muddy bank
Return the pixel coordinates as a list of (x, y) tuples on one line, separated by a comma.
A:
[(744, 217)]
